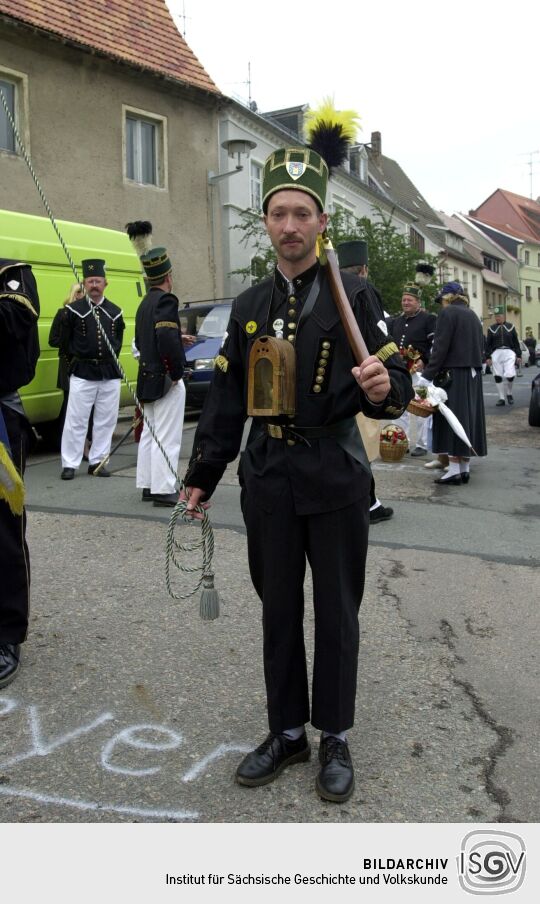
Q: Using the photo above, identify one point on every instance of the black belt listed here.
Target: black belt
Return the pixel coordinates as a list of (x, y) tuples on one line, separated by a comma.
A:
[(92, 360), (295, 434)]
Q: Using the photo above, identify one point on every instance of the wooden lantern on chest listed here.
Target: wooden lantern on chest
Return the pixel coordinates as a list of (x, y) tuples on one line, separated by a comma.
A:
[(271, 378)]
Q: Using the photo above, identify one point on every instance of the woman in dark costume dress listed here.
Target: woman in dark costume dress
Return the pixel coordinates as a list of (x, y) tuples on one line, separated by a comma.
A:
[(456, 364)]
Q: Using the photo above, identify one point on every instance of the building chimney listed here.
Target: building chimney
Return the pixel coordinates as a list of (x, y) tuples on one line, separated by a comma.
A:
[(376, 146)]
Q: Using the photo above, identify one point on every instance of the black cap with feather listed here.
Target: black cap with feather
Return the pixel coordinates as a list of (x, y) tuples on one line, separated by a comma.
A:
[(140, 234)]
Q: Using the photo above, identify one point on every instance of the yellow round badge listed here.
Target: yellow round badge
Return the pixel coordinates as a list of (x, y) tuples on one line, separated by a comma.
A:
[(251, 327)]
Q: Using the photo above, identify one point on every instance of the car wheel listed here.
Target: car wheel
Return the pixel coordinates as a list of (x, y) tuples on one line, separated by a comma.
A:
[(534, 407)]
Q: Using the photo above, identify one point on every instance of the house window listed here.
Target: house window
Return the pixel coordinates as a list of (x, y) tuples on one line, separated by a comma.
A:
[(7, 137), (526, 257), (256, 186), (528, 293), (145, 146), (473, 283), (416, 240), (538, 294)]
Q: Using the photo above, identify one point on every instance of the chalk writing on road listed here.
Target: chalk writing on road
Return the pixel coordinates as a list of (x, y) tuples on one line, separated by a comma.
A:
[(148, 738)]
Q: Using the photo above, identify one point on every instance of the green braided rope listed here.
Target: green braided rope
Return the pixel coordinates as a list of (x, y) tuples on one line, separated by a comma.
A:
[(205, 543), (207, 535)]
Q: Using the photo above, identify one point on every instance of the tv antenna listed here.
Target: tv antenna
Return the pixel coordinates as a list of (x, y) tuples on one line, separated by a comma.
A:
[(530, 155)]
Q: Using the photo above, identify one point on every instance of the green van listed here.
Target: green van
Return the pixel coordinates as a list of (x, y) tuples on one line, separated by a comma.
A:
[(33, 240)]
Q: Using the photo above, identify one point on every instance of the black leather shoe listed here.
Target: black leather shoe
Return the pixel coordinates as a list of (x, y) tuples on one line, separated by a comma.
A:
[(453, 481), (381, 513), (465, 477), (510, 399), (266, 762), (165, 498), (102, 471), (9, 662), (335, 780), (500, 403), (67, 474), (416, 453), (146, 495)]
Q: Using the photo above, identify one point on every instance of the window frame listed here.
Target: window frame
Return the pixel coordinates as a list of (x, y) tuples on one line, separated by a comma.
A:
[(259, 182), (19, 80), (160, 147)]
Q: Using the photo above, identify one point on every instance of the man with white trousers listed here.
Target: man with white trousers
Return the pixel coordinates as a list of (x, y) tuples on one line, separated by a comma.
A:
[(94, 376), (158, 338), (503, 351)]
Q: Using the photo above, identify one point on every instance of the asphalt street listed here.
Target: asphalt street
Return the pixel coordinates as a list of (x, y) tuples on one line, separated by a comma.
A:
[(130, 708)]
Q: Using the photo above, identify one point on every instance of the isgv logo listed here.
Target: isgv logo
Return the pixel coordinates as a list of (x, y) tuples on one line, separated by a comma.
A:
[(491, 862)]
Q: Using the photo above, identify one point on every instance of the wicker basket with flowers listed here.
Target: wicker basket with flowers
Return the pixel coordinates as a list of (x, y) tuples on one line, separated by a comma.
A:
[(393, 443)]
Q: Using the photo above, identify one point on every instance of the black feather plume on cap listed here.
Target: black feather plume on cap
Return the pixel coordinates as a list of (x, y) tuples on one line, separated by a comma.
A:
[(330, 132), (140, 234)]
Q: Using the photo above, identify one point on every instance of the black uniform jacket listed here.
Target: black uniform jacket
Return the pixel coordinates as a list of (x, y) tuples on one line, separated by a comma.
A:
[(457, 342), (417, 331), (57, 339), (326, 473), (19, 312), (158, 338), (90, 357), (502, 335)]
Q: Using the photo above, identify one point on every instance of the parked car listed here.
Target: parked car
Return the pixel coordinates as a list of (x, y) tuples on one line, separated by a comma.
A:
[(534, 405), (525, 355), (207, 320)]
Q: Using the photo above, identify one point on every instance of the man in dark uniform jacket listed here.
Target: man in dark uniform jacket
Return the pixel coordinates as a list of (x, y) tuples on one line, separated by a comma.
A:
[(158, 338), (305, 478), (502, 352), (94, 377), (19, 352), (414, 328)]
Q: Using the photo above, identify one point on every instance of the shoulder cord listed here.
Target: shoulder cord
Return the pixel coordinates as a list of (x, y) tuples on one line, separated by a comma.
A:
[(206, 543)]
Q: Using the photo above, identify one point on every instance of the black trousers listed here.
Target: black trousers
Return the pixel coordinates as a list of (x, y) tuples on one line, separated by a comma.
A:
[(335, 546), (14, 559)]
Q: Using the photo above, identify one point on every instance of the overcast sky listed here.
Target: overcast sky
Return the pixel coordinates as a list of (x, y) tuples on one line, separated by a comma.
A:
[(452, 87)]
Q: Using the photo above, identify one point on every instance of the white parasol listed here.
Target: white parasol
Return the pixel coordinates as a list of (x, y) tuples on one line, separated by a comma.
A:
[(437, 397)]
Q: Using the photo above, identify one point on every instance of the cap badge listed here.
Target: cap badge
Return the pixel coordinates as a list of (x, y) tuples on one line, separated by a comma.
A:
[(296, 169)]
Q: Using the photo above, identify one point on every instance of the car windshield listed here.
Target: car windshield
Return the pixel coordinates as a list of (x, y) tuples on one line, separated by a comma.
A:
[(215, 323), (211, 325)]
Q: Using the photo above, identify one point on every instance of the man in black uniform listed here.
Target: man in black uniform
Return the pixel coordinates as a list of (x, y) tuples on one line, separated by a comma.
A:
[(158, 338), (414, 328), (353, 258), (305, 478), (94, 377), (503, 351), (19, 352)]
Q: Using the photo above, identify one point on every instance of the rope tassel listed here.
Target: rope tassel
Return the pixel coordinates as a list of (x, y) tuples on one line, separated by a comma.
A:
[(209, 607)]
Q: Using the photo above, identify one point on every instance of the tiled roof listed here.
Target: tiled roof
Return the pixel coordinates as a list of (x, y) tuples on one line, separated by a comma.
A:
[(399, 187), (512, 213), (142, 34)]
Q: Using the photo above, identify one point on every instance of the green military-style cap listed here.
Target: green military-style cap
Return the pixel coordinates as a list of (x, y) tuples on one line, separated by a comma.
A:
[(499, 310), (93, 267), (352, 254), (412, 290), (156, 264), (299, 168)]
